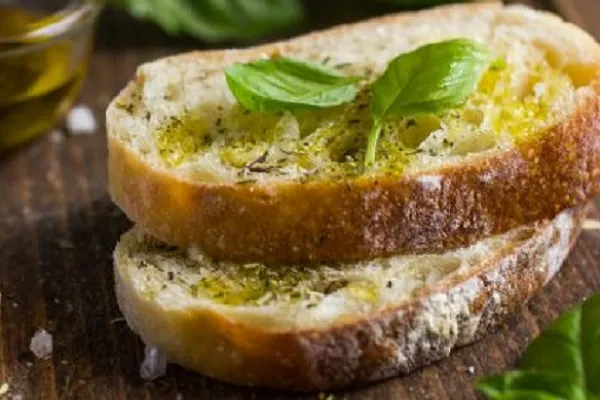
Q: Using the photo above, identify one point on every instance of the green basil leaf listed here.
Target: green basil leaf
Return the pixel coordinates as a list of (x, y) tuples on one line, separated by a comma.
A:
[(571, 345), (525, 395), (217, 20), (430, 79), (531, 385), (564, 361), (287, 84)]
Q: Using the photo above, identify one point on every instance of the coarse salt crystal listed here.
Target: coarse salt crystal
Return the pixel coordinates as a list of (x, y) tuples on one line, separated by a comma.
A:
[(81, 121), (154, 364), (41, 344)]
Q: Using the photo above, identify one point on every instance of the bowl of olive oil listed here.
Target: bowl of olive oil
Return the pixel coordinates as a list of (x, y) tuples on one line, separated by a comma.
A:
[(45, 46)]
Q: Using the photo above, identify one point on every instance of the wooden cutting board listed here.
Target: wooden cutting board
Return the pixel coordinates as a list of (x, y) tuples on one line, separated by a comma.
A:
[(58, 229)]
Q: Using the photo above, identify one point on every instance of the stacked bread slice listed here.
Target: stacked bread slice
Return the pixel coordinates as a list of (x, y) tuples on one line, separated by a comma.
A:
[(262, 257)]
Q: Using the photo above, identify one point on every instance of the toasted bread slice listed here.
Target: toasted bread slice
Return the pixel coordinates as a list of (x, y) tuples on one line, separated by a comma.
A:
[(191, 167), (333, 325)]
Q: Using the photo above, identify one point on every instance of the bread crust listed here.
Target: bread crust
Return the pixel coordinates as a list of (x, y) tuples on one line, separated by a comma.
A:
[(394, 341), (360, 218)]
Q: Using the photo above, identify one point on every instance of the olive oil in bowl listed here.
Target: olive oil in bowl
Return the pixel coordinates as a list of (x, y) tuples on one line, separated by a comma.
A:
[(43, 60)]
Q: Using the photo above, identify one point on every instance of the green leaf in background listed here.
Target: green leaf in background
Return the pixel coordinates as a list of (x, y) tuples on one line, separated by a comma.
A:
[(219, 20), (531, 385), (418, 3), (286, 84), (430, 79), (215, 20), (563, 361), (571, 346)]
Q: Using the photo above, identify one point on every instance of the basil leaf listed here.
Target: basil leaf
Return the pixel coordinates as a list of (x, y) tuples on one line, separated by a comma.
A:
[(564, 361), (525, 395), (286, 84), (571, 346), (217, 20), (531, 385), (430, 79)]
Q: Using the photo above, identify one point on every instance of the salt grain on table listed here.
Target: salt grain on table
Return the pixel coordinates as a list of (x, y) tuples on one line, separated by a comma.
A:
[(41, 344), (81, 121)]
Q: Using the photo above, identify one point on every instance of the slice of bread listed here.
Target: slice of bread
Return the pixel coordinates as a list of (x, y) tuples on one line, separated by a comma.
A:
[(190, 166), (334, 325)]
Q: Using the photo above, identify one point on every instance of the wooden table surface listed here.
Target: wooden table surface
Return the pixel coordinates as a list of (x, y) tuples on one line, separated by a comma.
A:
[(58, 228)]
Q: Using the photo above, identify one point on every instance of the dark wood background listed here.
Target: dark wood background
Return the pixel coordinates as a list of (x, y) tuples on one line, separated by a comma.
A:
[(58, 228)]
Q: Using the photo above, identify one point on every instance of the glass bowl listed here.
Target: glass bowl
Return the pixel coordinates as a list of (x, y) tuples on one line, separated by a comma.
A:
[(45, 47)]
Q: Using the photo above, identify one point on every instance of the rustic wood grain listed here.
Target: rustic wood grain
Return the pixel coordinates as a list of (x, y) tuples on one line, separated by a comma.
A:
[(58, 229)]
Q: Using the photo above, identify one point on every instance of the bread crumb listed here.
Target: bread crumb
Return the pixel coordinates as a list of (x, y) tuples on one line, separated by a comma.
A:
[(3, 389), (15, 304), (154, 364), (56, 136), (591, 224), (81, 121), (41, 344), (179, 396), (17, 397), (471, 370)]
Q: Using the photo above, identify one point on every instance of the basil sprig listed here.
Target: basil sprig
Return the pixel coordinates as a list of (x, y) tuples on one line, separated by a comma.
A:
[(287, 84), (428, 80), (562, 363)]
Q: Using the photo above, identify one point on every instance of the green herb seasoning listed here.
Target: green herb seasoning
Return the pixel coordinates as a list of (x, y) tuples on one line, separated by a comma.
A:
[(441, 100)]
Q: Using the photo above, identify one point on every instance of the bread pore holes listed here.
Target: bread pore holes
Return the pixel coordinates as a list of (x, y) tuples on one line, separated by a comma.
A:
[(416, 130), (581, 74)]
